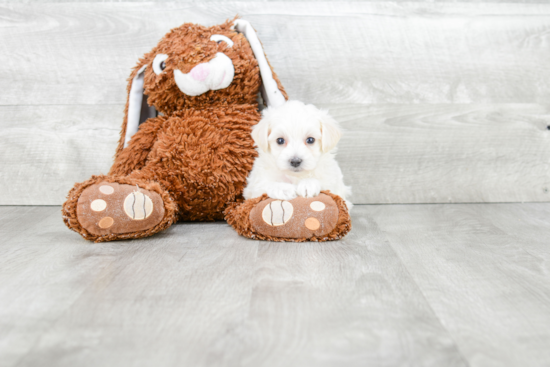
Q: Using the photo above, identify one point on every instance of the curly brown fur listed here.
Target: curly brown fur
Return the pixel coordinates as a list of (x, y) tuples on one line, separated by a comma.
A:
[(238, 216), (199, 152), (187, 46), (202, 157), (134, 157)]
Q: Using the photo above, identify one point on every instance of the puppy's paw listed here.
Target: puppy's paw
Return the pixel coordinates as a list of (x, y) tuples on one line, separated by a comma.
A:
[(308, 188), (282, 191)]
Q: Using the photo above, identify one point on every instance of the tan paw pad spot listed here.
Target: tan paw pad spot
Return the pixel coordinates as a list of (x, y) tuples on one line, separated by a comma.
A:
[(106, 189), (312, 223), (277, 213), (317, 206), (98, 205), (106, 222), (138, 206)]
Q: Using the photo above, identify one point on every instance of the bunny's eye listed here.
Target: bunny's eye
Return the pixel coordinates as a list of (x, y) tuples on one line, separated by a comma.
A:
[(219, 39), (159, 63)]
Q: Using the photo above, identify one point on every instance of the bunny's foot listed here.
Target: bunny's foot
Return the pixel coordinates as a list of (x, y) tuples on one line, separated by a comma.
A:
[(322, 218), (108, 208)]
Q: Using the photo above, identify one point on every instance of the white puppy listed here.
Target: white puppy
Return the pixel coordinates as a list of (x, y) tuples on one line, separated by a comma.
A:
[(296, 146)]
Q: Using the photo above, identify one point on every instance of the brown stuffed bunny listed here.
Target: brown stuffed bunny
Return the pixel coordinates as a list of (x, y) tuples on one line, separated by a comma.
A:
[(188, 155)]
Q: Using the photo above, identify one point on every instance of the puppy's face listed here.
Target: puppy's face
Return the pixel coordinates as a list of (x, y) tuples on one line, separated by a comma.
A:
[(296, 135)]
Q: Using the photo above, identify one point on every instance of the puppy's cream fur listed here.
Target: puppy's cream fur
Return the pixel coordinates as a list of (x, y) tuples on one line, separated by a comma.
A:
[(273, 172)]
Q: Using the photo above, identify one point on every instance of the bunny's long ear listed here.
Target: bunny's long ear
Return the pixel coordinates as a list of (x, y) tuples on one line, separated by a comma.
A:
[(272, 91), (137, 109)]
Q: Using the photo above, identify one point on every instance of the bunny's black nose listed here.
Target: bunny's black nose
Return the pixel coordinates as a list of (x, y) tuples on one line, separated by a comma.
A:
[(295, 162)]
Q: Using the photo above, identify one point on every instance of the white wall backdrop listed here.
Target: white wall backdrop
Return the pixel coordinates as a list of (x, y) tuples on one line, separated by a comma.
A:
[(441, 102)]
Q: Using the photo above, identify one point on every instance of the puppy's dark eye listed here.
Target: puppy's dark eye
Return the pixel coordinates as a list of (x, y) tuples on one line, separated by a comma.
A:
[(280, 141), (162, 65), (310, 140)]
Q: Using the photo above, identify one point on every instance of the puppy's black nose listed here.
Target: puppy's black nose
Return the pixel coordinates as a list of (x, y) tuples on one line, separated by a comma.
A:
[(295, 162)]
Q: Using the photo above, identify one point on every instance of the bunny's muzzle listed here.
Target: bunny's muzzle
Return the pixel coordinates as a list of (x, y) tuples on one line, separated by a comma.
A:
[(216, 74)]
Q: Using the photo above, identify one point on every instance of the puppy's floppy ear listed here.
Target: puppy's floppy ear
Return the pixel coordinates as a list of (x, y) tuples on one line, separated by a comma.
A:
[(330, 131), (260, 134)]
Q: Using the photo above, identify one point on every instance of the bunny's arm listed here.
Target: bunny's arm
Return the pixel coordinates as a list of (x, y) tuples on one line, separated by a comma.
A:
[(134, 156)]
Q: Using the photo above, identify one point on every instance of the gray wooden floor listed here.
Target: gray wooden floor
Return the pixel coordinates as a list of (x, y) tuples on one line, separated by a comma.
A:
[(443, 102), (411, 285)]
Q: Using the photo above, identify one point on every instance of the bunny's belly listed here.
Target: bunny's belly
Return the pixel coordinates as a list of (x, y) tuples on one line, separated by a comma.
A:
[(203, 158)]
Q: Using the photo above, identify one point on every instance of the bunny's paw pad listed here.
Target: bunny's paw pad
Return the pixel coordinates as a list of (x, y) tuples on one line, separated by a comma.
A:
[(299, 218), (112, 208)]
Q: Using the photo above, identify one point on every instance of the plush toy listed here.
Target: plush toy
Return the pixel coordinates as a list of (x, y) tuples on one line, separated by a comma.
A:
[(185, 148), (322, 218)]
